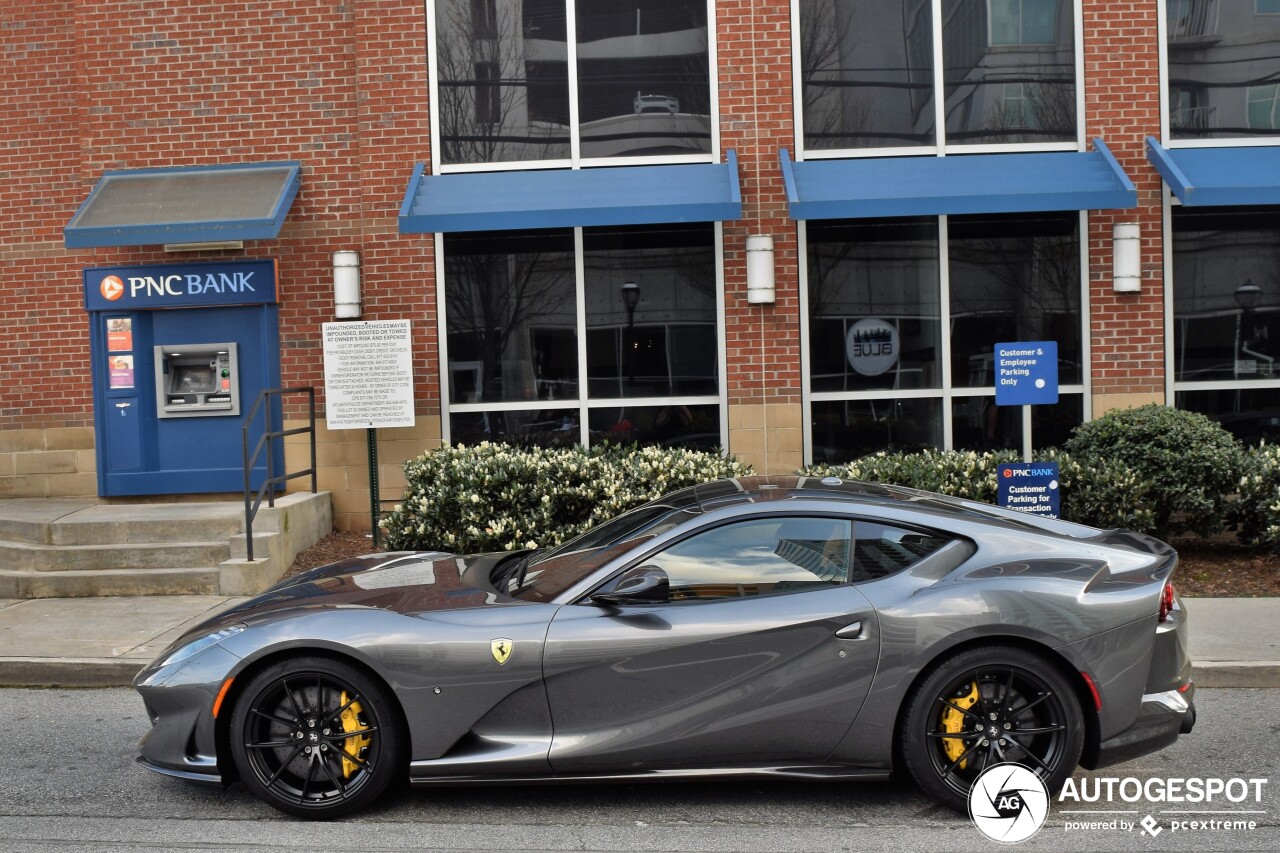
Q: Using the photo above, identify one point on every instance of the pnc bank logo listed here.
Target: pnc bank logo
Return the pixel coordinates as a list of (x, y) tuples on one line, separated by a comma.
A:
[(111, 288)]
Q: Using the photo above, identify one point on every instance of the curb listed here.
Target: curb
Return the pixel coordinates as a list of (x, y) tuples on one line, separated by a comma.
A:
[(1236, 673), (68, 672), (113, 672)]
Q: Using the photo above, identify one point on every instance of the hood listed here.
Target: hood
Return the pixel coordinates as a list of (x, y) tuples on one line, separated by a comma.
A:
[(401, 582)]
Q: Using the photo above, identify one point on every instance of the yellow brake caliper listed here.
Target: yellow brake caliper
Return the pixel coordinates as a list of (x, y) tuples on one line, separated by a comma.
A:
[(352, 745), (953, 722)]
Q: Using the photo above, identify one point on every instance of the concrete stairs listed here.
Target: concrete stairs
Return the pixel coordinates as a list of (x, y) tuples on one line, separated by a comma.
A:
[(57, 547)]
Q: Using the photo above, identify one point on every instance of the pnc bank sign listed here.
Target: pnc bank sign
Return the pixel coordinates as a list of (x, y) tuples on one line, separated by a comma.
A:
[(180, 286)]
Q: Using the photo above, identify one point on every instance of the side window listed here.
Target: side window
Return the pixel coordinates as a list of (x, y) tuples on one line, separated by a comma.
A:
[(880, 550), (758, 557)]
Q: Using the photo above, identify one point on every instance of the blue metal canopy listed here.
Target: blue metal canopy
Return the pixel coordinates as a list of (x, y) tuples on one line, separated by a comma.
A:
[(966, 183), (1214, 177), (558, 198), (191, 204)]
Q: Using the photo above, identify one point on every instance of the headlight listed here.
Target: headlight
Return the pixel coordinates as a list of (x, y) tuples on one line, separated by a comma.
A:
[(199, 644)]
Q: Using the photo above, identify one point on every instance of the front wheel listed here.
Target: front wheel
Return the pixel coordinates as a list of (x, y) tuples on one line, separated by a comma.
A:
[(315, 737), (989, 706)]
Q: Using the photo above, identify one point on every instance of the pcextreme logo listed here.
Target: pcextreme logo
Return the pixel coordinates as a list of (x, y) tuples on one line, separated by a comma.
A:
[(112, 288), (1008, 803)]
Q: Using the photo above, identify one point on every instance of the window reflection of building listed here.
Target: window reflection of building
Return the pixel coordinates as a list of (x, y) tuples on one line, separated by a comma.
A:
[(1008, 278), (504, 72), (515, 340), (1221, 64), (867, 73), (1226, 302)]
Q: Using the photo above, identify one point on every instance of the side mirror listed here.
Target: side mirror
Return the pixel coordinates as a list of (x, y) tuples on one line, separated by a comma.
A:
[(648, 585)]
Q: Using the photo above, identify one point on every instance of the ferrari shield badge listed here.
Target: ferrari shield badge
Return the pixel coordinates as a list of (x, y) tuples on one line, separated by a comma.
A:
[(501, 649)]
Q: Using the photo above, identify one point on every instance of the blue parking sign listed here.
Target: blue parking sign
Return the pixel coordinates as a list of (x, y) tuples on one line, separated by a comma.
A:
[(1029, 487), (1026, 373)]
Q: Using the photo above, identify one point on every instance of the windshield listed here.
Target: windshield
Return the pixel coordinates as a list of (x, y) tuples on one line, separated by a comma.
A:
[(551, 573)]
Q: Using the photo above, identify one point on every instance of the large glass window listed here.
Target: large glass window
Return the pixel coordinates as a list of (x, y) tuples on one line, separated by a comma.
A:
[(648, 336), (901, 347), (868, 77), (504, 71), (1221, 58), (1226, 307)]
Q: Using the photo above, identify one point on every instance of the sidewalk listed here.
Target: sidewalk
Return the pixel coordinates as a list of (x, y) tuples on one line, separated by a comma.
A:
[(103, 642)]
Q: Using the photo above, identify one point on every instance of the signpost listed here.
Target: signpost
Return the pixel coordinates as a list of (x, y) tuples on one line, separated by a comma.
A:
[(368, 380), (1026, 375)]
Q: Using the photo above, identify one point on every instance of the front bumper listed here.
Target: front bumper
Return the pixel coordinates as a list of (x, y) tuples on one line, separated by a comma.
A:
[(1162, 717), (179, 700)]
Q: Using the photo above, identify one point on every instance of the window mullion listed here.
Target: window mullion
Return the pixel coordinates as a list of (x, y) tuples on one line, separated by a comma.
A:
[(939, 80), (571, 70), (580, 291), (944, 312)]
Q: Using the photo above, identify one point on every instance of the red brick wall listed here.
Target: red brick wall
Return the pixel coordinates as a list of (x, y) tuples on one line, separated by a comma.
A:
[(102, 84), (756, 119), (1122, 105), (126, 84)]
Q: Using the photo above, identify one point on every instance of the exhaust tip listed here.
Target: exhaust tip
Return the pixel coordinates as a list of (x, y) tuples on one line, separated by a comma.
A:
[(1188, 720)]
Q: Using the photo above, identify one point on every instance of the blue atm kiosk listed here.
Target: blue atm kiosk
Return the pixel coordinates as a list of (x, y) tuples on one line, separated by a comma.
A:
[(180, 354)]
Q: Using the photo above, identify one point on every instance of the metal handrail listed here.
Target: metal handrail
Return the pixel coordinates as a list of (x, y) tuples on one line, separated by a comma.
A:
[(267, 439)]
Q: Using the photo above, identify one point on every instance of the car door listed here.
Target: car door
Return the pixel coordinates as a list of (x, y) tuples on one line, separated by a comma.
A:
[(763, 654)]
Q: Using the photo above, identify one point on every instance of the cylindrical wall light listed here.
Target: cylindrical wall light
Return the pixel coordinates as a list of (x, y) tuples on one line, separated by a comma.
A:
[(346, 285), (1126, 258), (760, 269)]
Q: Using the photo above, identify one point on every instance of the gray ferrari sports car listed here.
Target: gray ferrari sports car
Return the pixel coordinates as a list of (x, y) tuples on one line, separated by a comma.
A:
[(783, 626)]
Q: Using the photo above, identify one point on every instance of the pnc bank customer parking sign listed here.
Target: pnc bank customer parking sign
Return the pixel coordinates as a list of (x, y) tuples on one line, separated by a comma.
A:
[(1029, 487)]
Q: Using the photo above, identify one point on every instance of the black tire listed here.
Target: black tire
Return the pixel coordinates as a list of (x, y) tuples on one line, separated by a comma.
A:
[(1028, 711), (316, 737)]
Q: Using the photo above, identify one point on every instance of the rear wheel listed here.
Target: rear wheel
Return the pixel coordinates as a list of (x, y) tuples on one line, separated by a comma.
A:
[(989, 706), (315, 737)]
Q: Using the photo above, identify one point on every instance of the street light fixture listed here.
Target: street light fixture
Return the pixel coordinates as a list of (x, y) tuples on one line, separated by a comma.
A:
[(630, 299)]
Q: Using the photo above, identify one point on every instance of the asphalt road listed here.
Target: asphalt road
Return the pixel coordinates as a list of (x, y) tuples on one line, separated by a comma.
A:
[(68, 783)]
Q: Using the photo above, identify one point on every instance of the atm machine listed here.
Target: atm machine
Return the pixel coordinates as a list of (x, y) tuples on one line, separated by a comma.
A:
[(179, 355)]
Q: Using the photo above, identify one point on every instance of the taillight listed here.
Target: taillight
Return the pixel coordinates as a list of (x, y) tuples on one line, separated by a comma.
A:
[(1166, 603)]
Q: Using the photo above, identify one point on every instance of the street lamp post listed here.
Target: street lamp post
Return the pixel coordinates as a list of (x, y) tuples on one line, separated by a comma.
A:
[(630, 299)]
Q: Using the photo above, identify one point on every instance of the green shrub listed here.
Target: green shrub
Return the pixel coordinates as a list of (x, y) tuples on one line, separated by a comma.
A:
[(1102, 493), (1176, 468), (1256, 511), (959, 473), (494, 497)]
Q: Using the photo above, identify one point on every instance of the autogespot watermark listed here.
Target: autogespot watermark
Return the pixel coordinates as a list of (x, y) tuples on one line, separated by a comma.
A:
[(1008, 803), (1178, 804)]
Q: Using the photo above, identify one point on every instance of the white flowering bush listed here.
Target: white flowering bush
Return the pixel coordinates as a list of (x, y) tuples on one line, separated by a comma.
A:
[(959, 473), (495, 497), (1256, 511)]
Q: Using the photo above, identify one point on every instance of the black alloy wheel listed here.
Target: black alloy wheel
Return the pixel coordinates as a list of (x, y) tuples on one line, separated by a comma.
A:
[(988, 706), (315, 737)]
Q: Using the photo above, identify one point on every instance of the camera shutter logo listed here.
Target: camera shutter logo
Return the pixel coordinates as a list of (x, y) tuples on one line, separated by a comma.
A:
[(1008, 803)]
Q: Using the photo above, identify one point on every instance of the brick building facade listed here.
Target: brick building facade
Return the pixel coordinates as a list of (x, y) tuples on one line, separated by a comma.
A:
[(346, 89)]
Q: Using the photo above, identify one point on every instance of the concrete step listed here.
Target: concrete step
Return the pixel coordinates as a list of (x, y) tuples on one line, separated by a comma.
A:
[(67, 547), (109, 582), (30, 520), (22, 556), (114, 524)]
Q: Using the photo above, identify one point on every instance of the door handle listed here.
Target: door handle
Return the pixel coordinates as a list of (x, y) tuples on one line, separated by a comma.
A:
[(852, 631)]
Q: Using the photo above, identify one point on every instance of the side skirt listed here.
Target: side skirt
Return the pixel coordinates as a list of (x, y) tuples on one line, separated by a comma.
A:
[(816, 773)]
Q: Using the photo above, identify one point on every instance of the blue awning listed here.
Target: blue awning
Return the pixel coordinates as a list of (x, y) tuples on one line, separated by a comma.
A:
[(191, 204), (1214, 177), (558, 198), (969, 183)]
